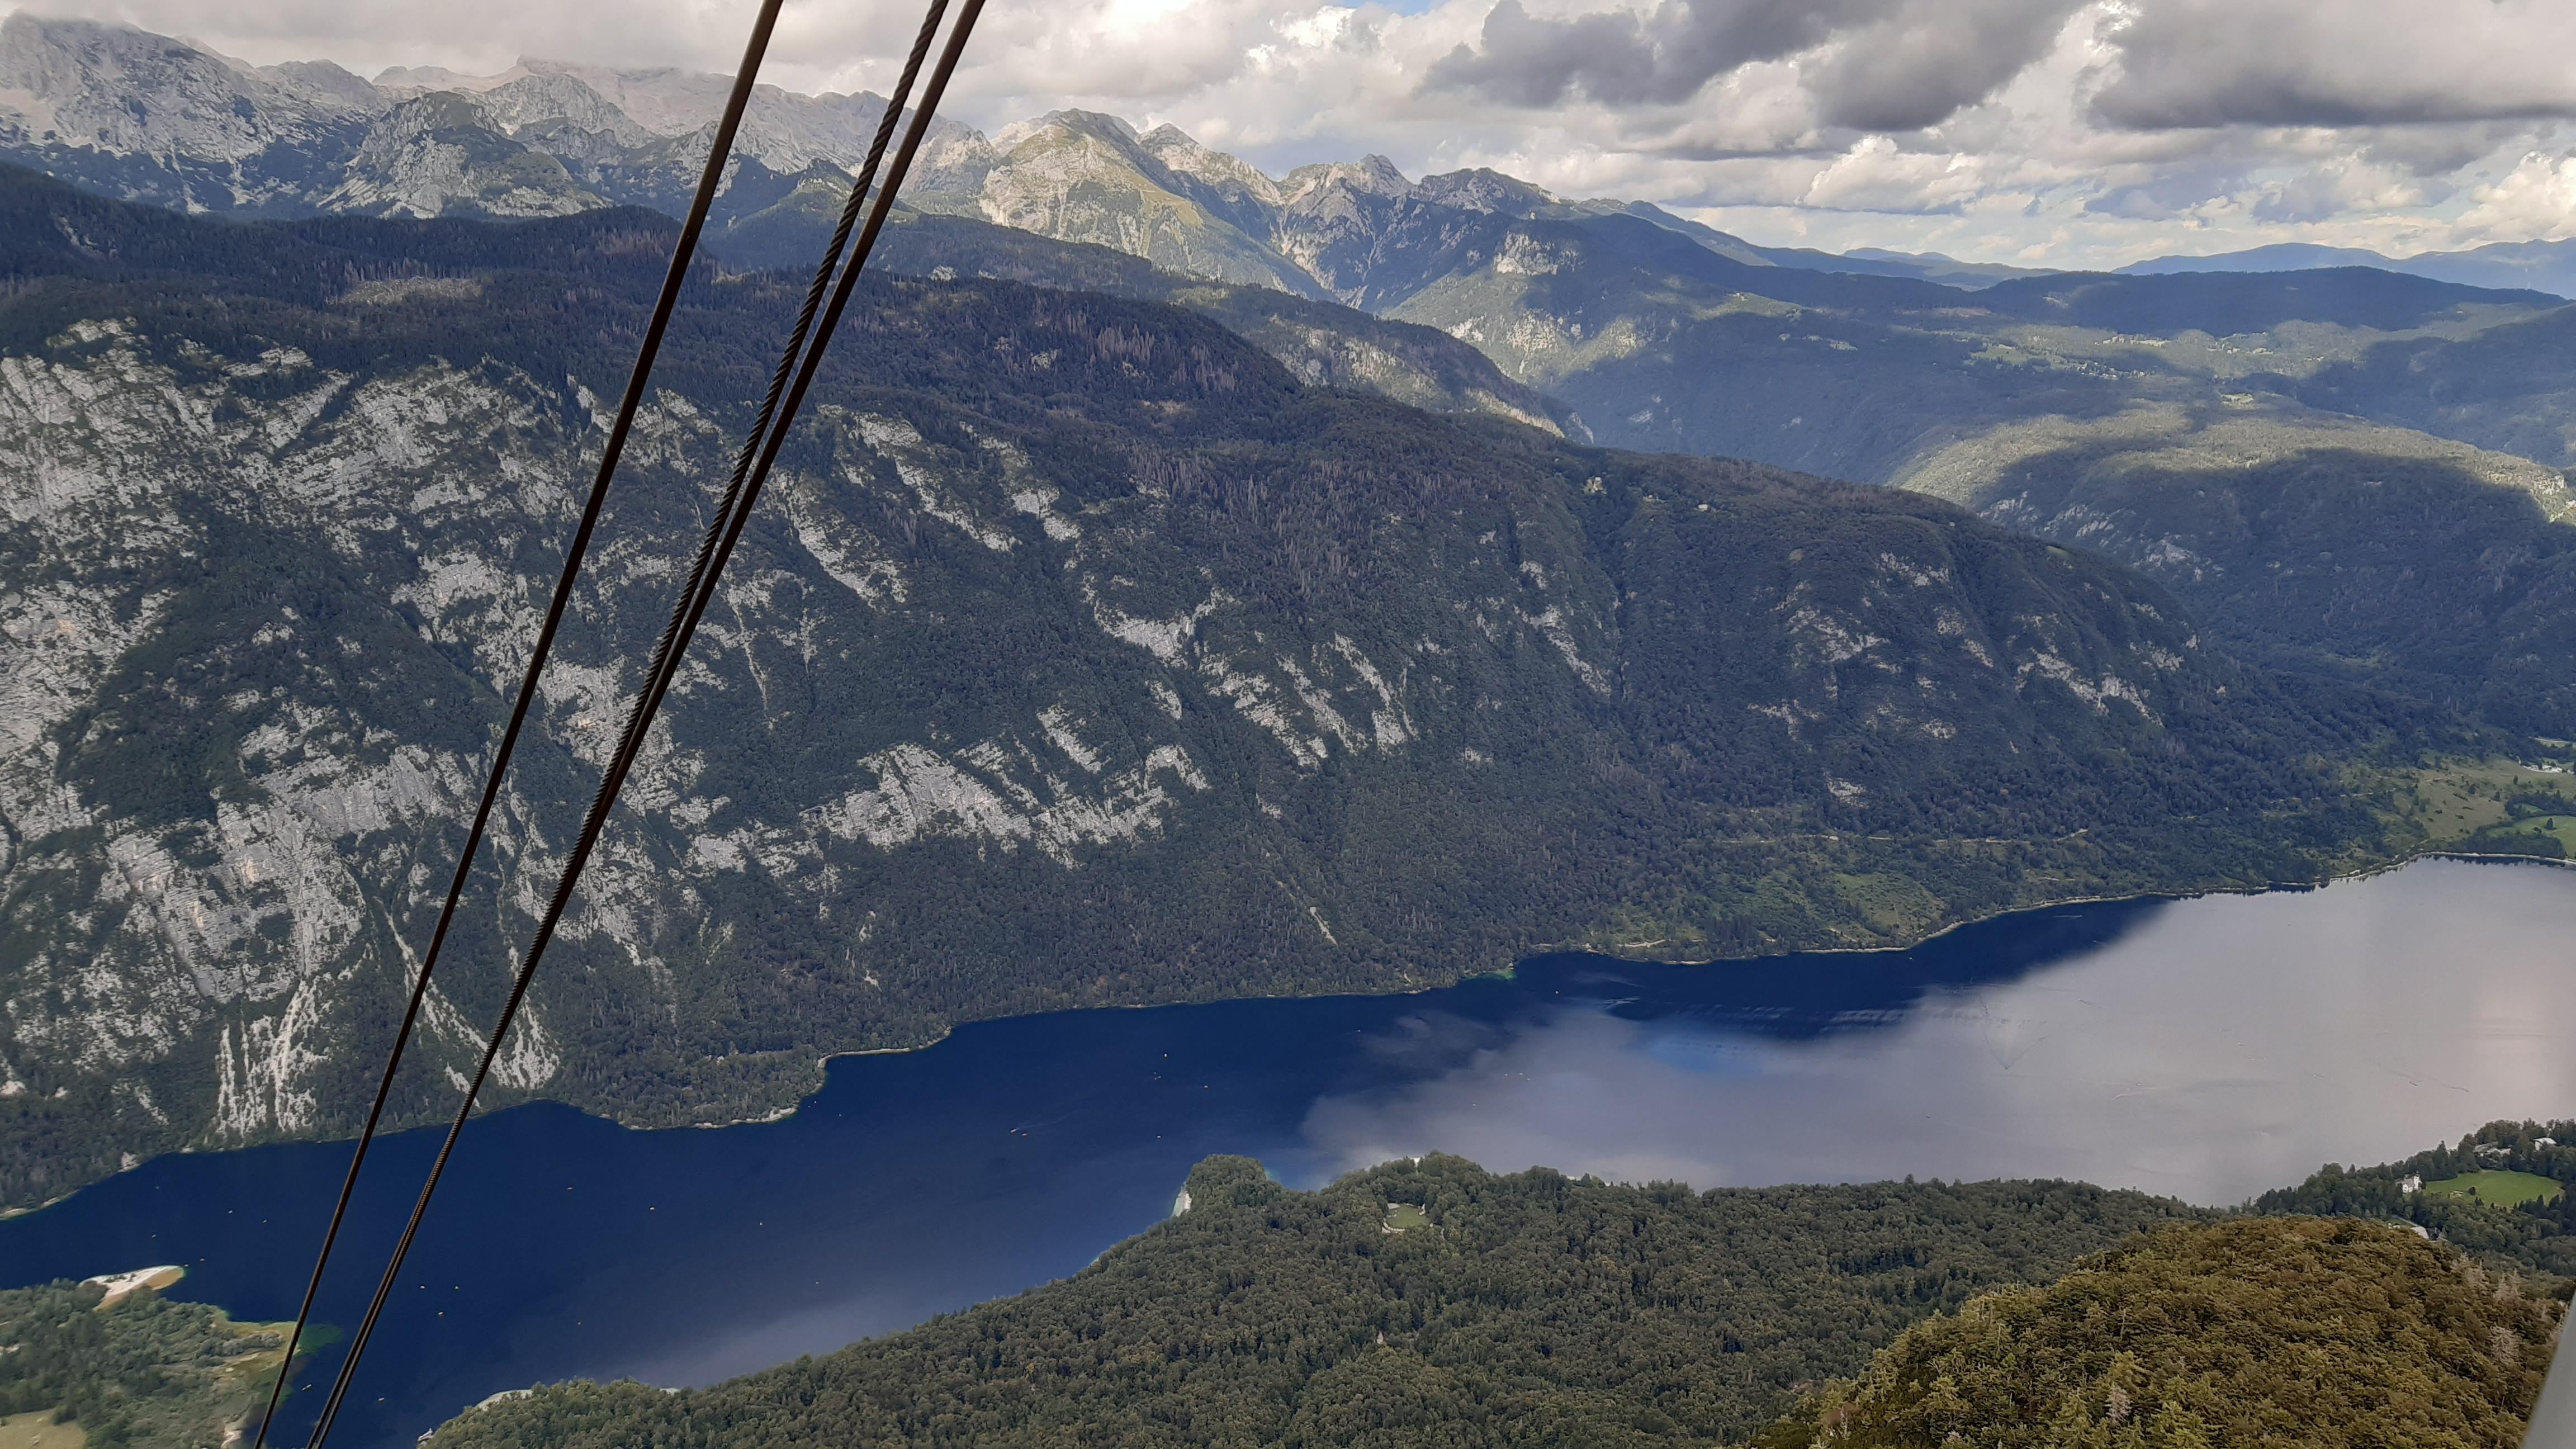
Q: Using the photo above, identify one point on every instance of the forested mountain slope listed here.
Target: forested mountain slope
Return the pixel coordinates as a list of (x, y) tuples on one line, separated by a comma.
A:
[(1428, 1302), (2269, 1330), (1484, 1310), (2510, 387), (55, 230), (2349, 419), (1432, 1304), (1080, 655), (2362, 553)]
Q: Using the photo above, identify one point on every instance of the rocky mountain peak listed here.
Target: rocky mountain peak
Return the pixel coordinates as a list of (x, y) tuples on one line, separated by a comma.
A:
[(439, 153), (324, 83), (150, 118), (401, 82), (1370, 176), (1481, 189), (120, 90), (1233, 176), (544, 98), (664, 100), (1065, 125)]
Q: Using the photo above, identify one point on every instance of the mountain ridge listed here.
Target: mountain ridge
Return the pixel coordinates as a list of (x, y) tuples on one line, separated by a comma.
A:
[(95, 93), (1278, 688), (2547, 266)]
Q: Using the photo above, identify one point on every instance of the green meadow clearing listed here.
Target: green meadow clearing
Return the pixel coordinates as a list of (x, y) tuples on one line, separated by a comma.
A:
[(2500, 1189)]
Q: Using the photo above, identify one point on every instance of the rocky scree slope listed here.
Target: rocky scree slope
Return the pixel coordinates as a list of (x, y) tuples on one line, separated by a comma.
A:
[(1079, 655)]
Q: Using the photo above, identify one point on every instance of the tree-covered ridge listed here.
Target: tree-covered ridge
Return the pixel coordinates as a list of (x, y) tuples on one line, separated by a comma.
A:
[(51, 230), (2268, 1330), (1080, 655), (2435, 573), (144, 1372), (2537, 1237), (1529, 1309)]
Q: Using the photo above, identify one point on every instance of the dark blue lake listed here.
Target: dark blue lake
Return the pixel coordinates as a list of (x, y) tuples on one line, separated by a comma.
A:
[(2206, 1048)]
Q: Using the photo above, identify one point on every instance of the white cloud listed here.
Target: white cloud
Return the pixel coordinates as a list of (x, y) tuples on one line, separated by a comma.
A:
[(2354, 62), (1875, 176), (2536, 201)]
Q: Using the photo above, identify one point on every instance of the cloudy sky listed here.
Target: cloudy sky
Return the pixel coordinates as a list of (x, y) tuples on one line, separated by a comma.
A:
[(2077, 132)]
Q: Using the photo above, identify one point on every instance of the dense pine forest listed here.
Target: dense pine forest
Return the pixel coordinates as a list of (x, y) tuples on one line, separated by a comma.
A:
[(1431, 1303), (2275, 1330), (1416, 1303)]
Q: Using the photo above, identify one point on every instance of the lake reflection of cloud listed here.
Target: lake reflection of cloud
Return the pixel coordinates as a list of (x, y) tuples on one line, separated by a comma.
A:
[(2228, 1045)]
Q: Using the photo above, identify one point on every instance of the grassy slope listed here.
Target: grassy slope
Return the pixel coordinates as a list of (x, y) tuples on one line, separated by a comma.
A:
[(2499, 1189)]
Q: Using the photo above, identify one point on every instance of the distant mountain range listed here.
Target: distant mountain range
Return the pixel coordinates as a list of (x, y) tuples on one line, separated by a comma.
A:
[(2540, 266), (149, 118), (2023, 395), (2046, 401)]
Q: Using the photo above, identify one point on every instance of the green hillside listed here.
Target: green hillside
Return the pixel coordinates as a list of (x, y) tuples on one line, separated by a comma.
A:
[(2531, 1230), (1531, 1309), (143, 1372), (1433, 1304), (2499, 1189), (2428, 570)]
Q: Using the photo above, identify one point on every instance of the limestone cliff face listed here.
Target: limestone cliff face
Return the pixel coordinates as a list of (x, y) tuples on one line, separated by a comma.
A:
[(1077, 656), (121, 91), (225, 824)]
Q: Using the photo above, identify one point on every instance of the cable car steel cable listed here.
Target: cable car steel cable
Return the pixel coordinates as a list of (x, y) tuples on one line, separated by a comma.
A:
[(724, 532), (664, 654), (683, 254)]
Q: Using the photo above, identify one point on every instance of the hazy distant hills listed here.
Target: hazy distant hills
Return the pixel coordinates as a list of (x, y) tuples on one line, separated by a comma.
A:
[(2544, 266)]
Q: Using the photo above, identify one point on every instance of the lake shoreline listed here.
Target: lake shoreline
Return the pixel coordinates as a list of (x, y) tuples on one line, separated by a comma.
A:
[(2171, 1046), (1542, 951)]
